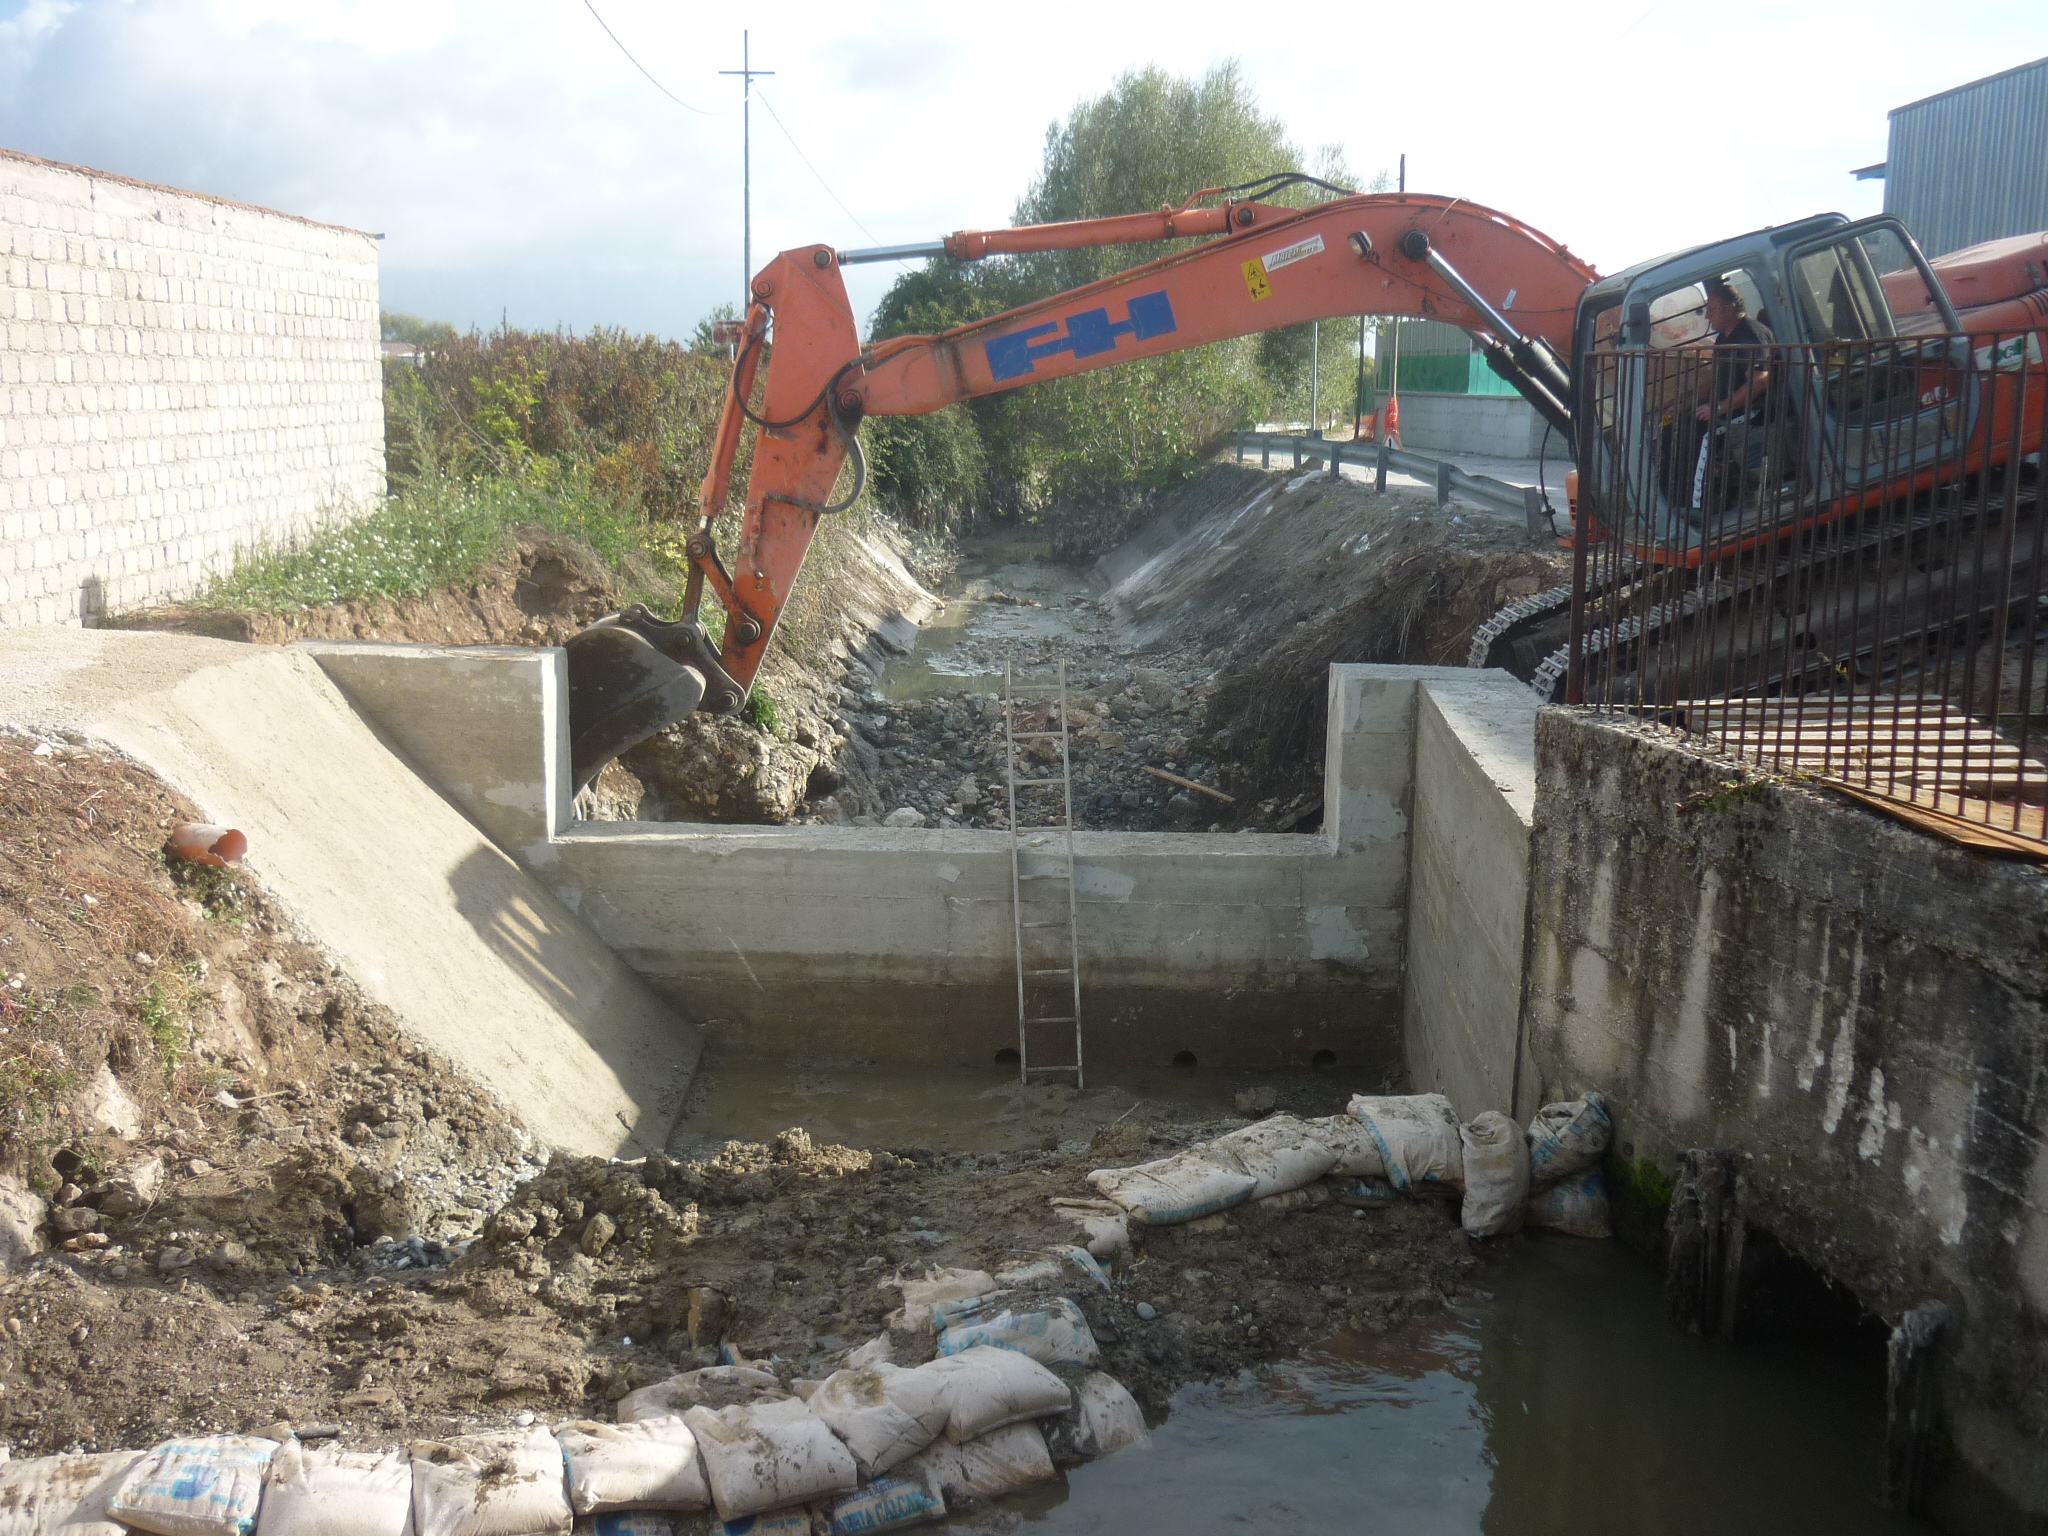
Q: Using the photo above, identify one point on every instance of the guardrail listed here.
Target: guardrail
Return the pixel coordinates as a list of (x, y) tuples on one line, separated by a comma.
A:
[(1383, 459)]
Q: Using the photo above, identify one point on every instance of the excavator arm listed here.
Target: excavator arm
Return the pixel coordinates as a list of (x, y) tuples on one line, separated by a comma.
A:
[(1513, 288)]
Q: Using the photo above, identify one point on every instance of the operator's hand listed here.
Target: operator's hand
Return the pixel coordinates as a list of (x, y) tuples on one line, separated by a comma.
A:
[(1705, 413)]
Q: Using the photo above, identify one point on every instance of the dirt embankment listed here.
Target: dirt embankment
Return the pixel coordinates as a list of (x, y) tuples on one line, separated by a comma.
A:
[(259, 1201), (1202, 645)]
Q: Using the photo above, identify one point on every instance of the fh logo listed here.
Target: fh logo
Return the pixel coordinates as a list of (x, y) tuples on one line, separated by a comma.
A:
[(1089, 334)]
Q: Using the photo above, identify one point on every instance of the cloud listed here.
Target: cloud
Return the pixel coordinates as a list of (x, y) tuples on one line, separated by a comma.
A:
[(519, 164)]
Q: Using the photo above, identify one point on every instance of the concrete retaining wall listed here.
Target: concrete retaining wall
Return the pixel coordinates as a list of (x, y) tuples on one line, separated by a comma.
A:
[(850, 943), (180, 376), (1857, 1009), (1475, 790), (1498, 426)]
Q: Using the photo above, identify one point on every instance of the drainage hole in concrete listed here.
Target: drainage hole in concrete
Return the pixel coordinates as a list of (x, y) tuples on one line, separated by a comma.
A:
[(1323, 1059), (1183, 1058), (1007, 1056)]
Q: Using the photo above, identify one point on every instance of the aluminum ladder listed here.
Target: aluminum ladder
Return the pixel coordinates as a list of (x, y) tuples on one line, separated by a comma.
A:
[(1050, 902)]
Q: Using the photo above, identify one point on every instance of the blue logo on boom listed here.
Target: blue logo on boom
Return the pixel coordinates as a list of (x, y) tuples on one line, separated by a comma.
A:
[(1089, 334)]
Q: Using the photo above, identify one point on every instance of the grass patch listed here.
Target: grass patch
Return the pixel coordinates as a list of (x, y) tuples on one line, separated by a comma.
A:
[(438, 531)]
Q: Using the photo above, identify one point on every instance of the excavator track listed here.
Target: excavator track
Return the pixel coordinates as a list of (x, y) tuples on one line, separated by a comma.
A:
[(1531, 637)]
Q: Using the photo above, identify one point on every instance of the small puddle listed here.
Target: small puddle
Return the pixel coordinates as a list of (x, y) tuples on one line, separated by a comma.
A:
[(1561, 1402)]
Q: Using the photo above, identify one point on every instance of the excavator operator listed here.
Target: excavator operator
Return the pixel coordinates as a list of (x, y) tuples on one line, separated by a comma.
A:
[(1739, 377)]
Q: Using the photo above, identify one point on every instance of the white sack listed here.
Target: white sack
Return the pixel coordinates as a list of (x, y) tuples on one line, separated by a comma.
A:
[(645, 1464), (1279, 1152), (1568, 1138), (945, 1285), (716, 1386), (1577, 1205), (783, 1522), (1105, 1418), (1358, 1155), (885, 1413), (507, 1483), (1055, 1334), (768, 1456), (984, 1388), (62, 1495), (995, 1463), (205, 1487), (628, 1522), (331, 1490), (1174, 1189), (887, 1504), (1496, 1175), (1417, 1137)]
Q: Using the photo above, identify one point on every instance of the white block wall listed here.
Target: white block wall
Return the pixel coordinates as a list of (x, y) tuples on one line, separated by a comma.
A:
[(180, 376), (1497, 426)]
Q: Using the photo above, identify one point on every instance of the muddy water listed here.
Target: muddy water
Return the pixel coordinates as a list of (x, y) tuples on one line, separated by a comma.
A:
[(1005, 594), (1559, 1402)]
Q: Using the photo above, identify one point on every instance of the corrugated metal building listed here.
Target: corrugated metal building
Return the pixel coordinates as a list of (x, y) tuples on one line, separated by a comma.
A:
[(1437, 359), (1971, 164)]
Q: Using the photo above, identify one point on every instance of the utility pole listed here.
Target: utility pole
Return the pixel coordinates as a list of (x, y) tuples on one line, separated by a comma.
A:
[(1315, 377), (1394, 379), (746, 72)]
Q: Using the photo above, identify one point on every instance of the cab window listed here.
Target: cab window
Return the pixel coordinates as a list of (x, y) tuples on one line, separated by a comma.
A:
[(1839, 295)]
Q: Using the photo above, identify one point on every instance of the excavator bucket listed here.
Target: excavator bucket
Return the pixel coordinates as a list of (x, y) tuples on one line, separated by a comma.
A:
[(624, 685)]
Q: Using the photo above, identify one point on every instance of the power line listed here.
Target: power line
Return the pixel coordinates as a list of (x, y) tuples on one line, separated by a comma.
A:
[(671, 95), (814, 170)]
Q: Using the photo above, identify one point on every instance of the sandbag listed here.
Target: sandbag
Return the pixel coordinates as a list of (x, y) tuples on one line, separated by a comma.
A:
[(1496, 1157), (1054, 1334), (1577, 1205), (1279, 1152), (1417, 1137), (995, 1463), (1105, 1418), (645, 1464), (769, 1455), (507, 1483), (1174, 1189), (205, 1487), (945, 1285), (984, 1388), (62, 1494), (716, 1386), (1568, 1138), (887, 1504), (781, 1522), (1105, 1226), (1357, 1154), (332, 1490), (884, 1413), (627, 1522)]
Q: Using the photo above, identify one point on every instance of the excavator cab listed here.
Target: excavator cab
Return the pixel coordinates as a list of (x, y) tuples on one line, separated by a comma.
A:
[(1835, 403)]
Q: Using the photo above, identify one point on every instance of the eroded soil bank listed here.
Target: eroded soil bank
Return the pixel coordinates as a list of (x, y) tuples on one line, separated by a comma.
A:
[(236, 1194)]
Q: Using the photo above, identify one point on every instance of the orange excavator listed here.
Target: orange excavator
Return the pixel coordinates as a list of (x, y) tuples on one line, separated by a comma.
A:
[(1546, 321)]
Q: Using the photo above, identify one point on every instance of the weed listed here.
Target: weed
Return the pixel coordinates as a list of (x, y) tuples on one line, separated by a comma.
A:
[(166, 1030), (762, 713), (218, 889)]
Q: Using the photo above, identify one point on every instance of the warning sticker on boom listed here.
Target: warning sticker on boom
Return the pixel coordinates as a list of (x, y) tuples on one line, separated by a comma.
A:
[(1255, 280), (1288, 255)]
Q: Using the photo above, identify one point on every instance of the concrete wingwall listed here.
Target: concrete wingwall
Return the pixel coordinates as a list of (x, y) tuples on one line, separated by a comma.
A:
[(1856, 1009), (1475, 792), (465, 947), (180, 377)]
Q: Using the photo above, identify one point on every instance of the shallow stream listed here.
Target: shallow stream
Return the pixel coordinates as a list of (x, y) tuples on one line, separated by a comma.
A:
[(1554, 1399)]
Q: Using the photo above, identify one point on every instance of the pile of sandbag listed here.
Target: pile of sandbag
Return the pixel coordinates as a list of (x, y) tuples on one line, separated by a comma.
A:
[(1383, 1149), (873, 1447)]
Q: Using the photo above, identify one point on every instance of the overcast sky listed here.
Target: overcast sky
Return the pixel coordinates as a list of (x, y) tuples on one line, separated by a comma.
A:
[(520, 165)]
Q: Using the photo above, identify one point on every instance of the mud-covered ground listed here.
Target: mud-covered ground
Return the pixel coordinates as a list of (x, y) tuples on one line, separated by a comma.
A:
[(256, 1202)]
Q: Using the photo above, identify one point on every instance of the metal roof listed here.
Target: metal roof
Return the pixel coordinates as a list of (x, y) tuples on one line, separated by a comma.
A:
[(1971, 164)]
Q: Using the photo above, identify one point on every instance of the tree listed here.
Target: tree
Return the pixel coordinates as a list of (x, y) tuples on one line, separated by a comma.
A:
[(394, 326), (1152, 140)]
